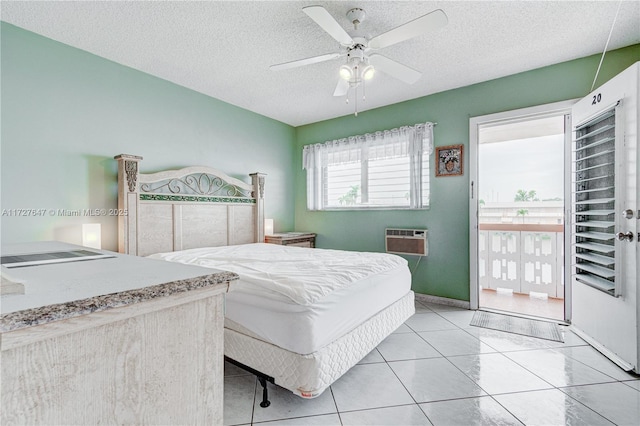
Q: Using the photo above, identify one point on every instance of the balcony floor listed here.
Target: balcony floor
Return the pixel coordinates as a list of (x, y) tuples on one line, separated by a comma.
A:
[(523, 304)]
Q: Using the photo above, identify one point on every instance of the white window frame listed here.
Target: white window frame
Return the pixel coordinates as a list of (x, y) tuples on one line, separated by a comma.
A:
[(411, 142)]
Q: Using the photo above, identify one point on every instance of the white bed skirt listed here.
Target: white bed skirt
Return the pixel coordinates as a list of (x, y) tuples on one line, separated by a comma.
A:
[(309, 375)]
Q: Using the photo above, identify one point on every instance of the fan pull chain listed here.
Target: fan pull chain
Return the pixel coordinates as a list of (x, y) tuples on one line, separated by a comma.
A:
[(364, 96), (355, 93), (355, 89)]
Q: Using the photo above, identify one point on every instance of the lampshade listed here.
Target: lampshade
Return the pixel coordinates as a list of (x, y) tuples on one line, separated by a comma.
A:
[(92, 235), (368, 72), (268, 227), (346, 72)]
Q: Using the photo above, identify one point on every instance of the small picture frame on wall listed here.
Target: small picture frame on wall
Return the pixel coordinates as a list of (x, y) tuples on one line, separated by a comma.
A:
[(449, 161)]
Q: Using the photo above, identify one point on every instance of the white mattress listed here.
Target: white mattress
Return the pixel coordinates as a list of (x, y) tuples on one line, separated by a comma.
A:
[(296, 274), (351, 296), (309, 375), (306, 329)]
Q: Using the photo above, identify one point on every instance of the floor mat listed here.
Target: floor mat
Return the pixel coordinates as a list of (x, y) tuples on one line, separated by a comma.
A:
[(510, 324)]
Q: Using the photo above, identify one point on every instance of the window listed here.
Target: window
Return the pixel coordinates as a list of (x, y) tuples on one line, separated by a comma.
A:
[(387, 169)]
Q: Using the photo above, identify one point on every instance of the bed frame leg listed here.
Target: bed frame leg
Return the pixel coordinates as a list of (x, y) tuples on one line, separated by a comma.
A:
[(263, 378), (265, 393)]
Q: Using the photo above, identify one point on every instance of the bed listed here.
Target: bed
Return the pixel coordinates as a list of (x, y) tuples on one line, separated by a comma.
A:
[(298, 317)]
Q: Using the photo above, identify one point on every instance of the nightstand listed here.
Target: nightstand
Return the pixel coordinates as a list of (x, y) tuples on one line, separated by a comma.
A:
[(298, 239)]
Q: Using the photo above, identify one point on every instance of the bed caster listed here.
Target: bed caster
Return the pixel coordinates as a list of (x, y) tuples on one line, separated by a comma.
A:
[(265, 394)]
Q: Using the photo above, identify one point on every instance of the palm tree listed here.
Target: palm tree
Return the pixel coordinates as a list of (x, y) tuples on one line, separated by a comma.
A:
[(523, 195), (350, 197), (522, 212)]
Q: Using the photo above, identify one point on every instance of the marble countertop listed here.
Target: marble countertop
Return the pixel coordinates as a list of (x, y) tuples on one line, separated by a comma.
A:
[(59, 291)]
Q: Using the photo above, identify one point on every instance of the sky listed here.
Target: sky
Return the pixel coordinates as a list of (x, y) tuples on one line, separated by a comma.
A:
[(529, 164)]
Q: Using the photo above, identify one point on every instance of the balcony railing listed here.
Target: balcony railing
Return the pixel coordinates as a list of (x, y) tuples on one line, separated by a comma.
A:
[(524, 258)]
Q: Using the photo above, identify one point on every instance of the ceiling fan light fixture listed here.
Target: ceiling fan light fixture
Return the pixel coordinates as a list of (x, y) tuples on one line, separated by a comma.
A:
[(346, 73), (368, 72), (357, 70)]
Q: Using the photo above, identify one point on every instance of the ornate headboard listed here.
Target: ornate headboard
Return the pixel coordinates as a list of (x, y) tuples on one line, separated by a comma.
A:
[(187, 208)]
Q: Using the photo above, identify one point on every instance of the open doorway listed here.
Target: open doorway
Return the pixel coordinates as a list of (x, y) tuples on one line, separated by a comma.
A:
[(520, 213)]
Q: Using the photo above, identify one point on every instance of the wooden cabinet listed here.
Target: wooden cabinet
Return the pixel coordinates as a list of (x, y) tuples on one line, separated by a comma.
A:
[(120, 340), (298, 239)]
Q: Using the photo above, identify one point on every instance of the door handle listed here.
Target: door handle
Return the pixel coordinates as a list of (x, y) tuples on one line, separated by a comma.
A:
[(625, 236), (627, 214)]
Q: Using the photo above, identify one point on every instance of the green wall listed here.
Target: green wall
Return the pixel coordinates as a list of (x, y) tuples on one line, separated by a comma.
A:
[(445, 271), (66, 113)]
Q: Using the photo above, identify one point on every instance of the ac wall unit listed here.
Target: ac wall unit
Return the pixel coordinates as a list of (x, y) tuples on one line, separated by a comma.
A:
[(406, 241)]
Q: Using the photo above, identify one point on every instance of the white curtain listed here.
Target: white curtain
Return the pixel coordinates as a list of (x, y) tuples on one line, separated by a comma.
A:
[(406, 141)]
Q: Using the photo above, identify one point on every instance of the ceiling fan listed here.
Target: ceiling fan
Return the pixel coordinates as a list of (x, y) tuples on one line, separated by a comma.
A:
[(361, 63)]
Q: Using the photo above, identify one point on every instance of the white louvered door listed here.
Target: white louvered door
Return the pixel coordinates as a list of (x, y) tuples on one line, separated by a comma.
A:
[(606, 219), (596, 185)]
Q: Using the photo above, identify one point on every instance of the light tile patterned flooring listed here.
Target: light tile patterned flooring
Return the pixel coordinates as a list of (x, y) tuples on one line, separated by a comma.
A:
[(436, 369), (523, 304)]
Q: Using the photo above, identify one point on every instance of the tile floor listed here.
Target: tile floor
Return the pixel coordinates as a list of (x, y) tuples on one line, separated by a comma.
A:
[(523, 304), (436, 369)]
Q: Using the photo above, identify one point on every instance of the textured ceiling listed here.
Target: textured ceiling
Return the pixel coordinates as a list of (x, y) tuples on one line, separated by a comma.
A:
[(223, 49)]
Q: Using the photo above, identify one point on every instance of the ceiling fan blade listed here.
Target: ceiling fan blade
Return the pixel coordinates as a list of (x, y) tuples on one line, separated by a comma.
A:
[(394, 69), (329, 24), (341, 88), (306, 61), (429, 22)]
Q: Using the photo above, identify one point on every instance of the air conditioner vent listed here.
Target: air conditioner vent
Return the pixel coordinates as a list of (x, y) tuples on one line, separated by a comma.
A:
[(406, 241), (401, 232)]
